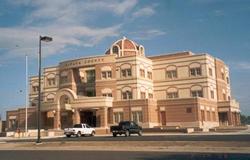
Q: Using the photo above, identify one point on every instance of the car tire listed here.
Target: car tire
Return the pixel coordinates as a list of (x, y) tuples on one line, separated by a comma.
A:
[(140, 133), (93, 133), (79, 134), (127, 133), (68, 135), (114, 134)]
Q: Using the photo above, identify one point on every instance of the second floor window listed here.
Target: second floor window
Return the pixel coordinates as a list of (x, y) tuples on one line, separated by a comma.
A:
[(90, 76), (171, 95), (51, 82), (210, 72), (171, 74), (106, 75), (142, 72), (143, 95), (212, 94), (64, 79), (126, 72), (195, 71), (149, 75), (150, 95), (197, 93), (127, 95)]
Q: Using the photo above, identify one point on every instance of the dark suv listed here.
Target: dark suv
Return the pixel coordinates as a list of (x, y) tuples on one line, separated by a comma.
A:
[(126, 128)]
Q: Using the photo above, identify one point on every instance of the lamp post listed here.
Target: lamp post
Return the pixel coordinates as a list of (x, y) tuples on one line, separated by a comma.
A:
[(44, 39)]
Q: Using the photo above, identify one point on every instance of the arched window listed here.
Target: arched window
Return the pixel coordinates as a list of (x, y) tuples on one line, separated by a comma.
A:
[(115, 50)]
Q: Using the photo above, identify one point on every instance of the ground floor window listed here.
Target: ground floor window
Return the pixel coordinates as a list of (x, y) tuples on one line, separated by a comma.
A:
[(118, 116), (137, 116)]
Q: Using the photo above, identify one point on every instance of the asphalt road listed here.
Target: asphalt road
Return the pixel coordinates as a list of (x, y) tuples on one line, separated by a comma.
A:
[(111, 155), (239, 138)]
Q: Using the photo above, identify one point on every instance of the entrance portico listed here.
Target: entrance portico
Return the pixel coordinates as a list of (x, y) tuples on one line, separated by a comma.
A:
[(72, 109)]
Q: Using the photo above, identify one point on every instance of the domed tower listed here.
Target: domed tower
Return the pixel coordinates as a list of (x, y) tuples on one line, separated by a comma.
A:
[(125, 47)]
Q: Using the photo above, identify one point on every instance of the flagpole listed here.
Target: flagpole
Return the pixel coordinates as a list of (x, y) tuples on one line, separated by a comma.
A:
[(26, 96)]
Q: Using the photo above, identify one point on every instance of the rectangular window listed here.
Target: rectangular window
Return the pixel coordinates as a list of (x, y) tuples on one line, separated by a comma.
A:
[(118, 117), (171, 95), (142, 72), (224, 96), (195, 71), (228, 80), (197, 93), (143, 95), (171, 74), (189, 110), (149, 75), (213, 116), (35, 88), (51, 82), (127, 95), (212, 94), (107, 95), (210, 72), (63, 79), (150, 95), (137, 116), (50, 99), (90, 76), (109, 74), (104, 76), (126, 72), (208, 116)]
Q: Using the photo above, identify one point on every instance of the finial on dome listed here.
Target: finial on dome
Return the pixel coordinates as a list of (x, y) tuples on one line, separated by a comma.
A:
[(124, 37)]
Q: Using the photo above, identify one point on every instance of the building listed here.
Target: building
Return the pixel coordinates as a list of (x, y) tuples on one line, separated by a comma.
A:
[(181, 89)]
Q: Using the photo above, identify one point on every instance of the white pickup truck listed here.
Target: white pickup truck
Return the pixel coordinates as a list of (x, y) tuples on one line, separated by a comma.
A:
[(79, 130)]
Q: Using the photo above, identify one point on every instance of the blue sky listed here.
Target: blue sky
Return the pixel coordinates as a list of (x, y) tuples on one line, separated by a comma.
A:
[(88, 27)]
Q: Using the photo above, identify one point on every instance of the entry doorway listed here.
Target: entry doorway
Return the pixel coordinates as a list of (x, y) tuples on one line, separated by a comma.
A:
[(163, 118), (88, 117)]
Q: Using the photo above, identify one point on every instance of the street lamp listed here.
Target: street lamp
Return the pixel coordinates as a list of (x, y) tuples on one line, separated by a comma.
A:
[(45, 39)]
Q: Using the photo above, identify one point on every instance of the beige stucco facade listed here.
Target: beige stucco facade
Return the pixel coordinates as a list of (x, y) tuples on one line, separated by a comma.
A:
[(181, 89)]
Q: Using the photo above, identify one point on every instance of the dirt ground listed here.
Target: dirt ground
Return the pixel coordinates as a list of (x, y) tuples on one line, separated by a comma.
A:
[(166, 146)]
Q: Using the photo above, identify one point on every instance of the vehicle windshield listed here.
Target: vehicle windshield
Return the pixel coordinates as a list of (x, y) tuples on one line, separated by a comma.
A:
[(77, 126)]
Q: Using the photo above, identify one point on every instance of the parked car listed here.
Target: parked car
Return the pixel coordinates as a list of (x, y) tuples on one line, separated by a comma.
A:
[(127, 128), (79, 130)]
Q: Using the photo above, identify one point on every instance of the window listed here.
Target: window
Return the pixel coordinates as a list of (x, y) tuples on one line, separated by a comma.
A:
[(189, 110), (210, 72), (50, 99), (64, 79), (77, 126), (197, 93), (51, 81), (90, 76), (106, 74), (213, 116), (90, 93), (35, 88), (212, 94), (150, 95), (229, 98), (142, 72), (115, 50), (107, 95), (126, 72), (171, 74), (208, 116), (137, 116), (127, 95), (171, 95), (195, 71), (143, 95), (149, 75), (118, 117)]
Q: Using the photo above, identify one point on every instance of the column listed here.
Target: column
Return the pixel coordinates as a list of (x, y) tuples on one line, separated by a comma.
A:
[(76, 117), (104, 117), (57, 120)]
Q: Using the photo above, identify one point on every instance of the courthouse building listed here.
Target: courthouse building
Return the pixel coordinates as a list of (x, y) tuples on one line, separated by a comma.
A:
[(180, 89)]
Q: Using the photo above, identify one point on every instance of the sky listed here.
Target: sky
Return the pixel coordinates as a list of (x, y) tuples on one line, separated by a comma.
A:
[(88, 27)]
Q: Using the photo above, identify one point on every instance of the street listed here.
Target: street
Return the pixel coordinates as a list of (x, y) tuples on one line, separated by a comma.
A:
[(110, 155), (184, 137)]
